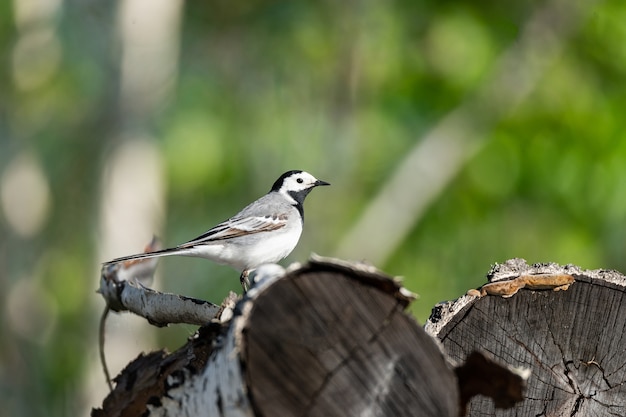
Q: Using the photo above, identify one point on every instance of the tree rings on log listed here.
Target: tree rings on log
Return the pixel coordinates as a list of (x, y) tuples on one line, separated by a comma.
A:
[(330, 339), (573, 340)]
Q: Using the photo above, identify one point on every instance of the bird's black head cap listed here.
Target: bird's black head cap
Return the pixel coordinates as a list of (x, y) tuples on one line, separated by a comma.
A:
[(279, 181)]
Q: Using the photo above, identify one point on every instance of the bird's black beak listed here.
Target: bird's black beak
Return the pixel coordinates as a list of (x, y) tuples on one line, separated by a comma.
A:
[(320, 182)]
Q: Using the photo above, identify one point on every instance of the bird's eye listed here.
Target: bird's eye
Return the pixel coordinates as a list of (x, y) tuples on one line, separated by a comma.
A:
[(300, 180)]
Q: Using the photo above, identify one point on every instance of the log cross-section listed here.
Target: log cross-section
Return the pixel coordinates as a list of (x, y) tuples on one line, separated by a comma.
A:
[(573, 341), (321, 343)]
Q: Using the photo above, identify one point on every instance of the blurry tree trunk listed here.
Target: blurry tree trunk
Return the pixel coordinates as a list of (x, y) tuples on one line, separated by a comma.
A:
[(574, 341), (133, 178)]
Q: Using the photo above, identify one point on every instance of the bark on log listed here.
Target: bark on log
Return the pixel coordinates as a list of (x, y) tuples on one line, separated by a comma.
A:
[(574, 341), (326, 339)]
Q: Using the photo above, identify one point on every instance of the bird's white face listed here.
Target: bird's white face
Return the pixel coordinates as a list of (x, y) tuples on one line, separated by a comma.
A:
[(295, 185), (298, 182)]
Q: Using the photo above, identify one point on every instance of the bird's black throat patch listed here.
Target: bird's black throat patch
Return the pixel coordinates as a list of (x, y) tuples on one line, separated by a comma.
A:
[(299, 197)]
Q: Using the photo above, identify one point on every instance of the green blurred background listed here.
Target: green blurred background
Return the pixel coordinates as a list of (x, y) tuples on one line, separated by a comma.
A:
[(455, 135)]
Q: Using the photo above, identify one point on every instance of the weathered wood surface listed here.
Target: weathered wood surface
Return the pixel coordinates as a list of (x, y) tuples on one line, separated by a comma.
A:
[(574, 341), (326, 339), (327, 342), (150, 377)]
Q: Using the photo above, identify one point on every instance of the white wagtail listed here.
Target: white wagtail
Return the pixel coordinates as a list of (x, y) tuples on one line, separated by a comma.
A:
[(265, 231)]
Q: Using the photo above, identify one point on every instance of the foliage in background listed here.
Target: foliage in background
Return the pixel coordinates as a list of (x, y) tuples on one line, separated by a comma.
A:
[(342, 89)]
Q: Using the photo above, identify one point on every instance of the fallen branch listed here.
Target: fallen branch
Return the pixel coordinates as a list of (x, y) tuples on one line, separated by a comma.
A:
[(160, 309)]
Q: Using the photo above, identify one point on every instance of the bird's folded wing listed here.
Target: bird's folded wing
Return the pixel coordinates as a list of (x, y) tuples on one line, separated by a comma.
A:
[(239, 226)]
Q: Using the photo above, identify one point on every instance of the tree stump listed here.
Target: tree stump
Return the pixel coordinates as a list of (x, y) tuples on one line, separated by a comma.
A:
[(574, 341)]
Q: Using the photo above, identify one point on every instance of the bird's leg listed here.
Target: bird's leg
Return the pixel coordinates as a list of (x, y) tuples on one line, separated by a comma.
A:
[(245, 282)]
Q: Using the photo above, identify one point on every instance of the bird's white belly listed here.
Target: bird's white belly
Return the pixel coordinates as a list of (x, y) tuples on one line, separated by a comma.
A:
[(269, 250), (251, 252)]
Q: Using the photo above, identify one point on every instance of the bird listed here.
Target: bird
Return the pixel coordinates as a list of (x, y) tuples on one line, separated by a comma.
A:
[(265, 231)]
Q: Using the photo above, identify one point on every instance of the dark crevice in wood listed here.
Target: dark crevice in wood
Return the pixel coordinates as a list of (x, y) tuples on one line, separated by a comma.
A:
[(577, 404), (460, 320)]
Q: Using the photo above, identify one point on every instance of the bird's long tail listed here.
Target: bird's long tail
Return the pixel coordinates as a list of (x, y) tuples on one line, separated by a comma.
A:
[(147, 255)]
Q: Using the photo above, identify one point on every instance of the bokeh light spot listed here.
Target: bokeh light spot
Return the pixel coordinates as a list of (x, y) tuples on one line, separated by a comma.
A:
[(25, 195), (36, 58), (32, 313)]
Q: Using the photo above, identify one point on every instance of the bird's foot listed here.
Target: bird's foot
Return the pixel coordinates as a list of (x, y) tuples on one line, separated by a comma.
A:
[(245, 282)]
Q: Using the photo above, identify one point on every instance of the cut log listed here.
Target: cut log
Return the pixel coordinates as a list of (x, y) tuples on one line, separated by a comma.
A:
[(574, 340), (332, 341), (326, 339)]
